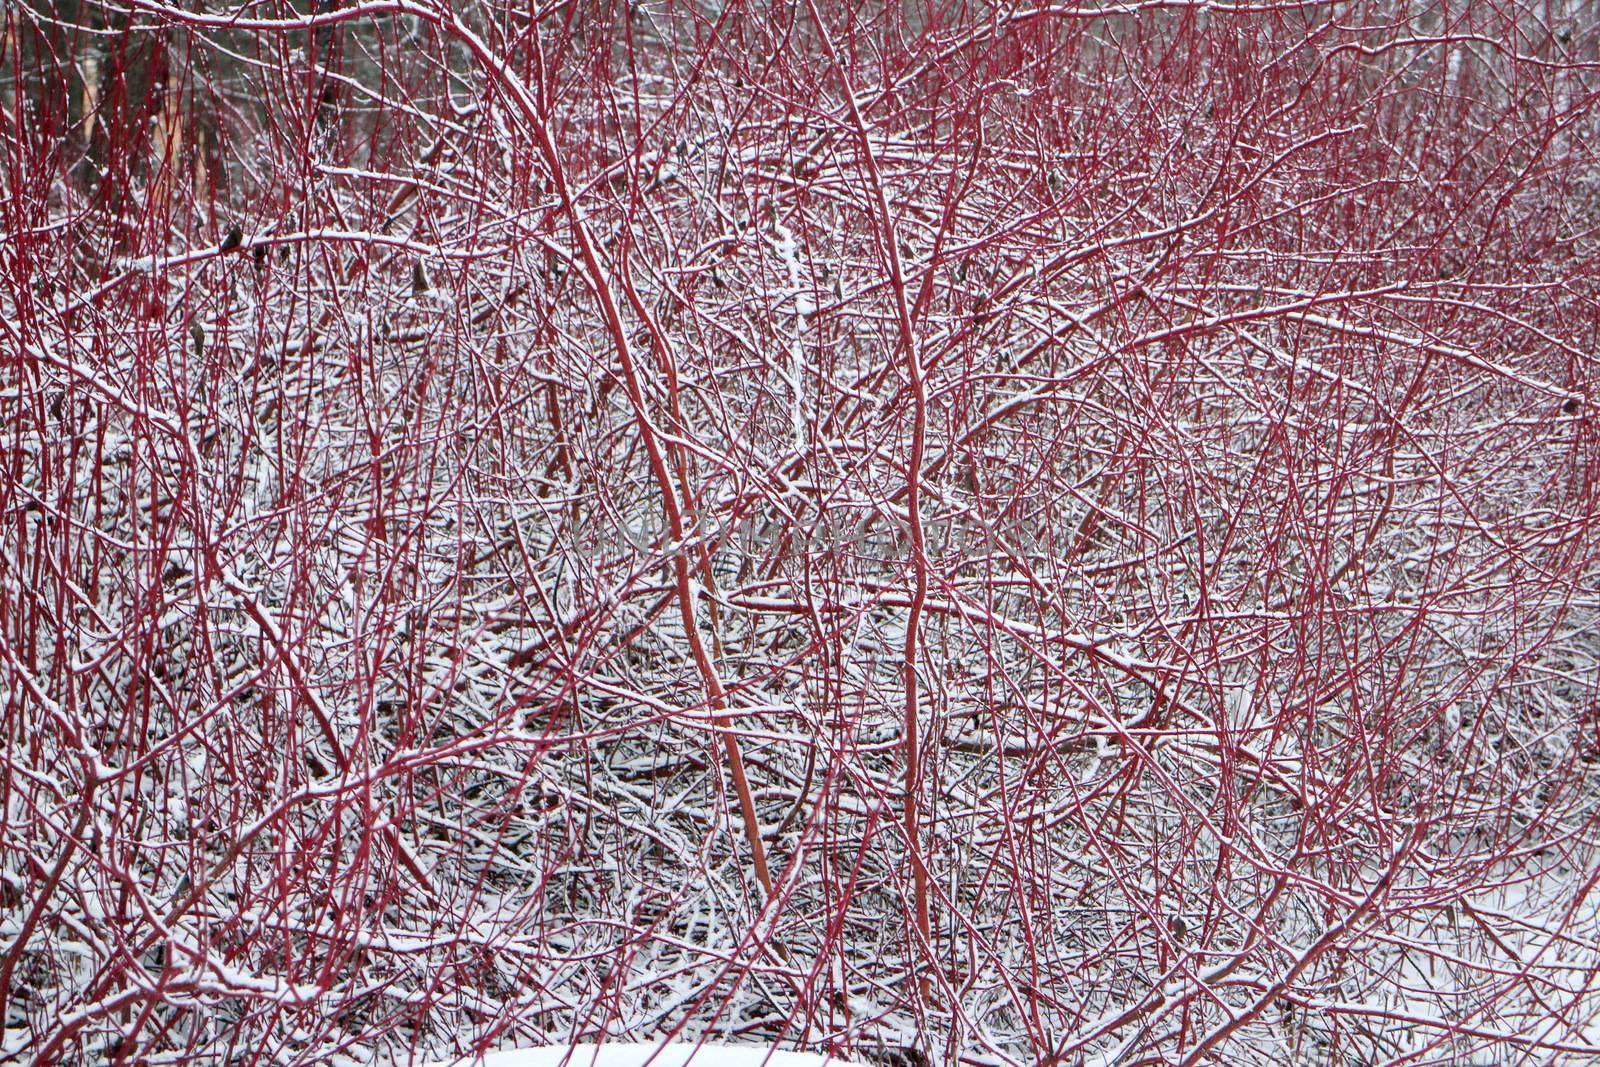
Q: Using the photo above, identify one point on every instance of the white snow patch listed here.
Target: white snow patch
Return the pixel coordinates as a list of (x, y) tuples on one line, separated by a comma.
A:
[(646, 1054)]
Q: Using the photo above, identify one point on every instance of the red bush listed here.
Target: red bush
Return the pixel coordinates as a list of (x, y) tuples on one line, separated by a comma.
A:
[(1054, 535)]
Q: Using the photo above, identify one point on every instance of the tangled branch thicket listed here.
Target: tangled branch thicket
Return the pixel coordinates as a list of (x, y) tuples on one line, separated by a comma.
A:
[(1049, 535)]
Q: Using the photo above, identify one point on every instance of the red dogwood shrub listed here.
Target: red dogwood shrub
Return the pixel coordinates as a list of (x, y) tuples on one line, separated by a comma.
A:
[(938, 532)]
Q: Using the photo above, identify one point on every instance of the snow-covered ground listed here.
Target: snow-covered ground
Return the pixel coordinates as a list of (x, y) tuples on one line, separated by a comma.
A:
[(647, 1054)]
